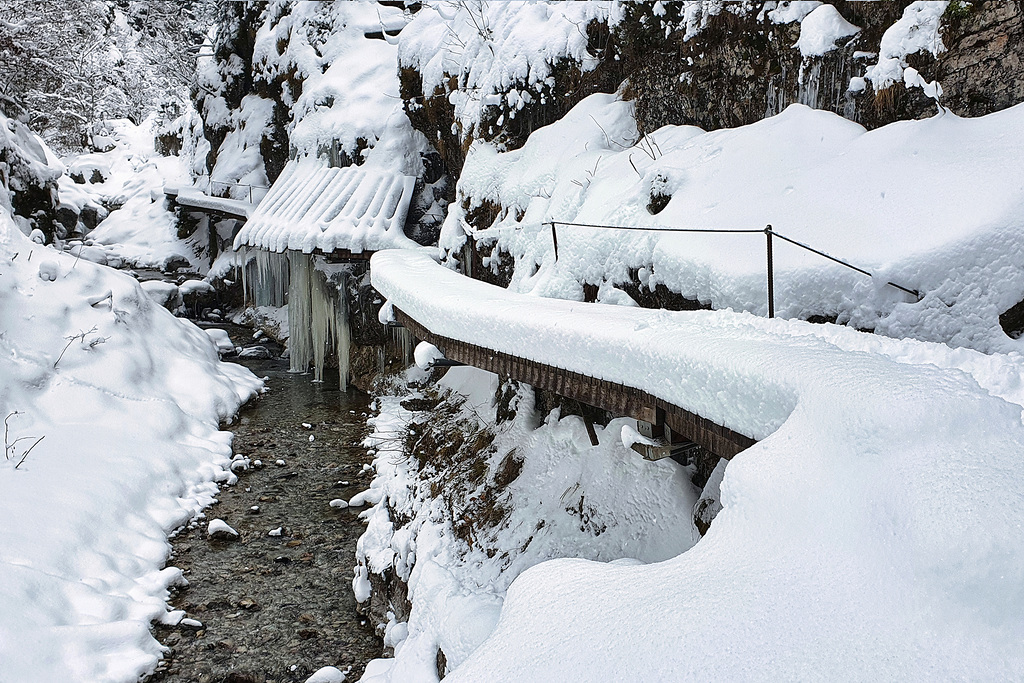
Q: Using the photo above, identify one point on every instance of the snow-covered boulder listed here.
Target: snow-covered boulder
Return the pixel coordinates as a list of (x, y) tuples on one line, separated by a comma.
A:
[(220, 530), (164, 293)]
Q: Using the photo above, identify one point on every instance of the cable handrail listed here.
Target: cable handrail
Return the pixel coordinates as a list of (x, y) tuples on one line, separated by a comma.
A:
[(211, 182), (767, 231)]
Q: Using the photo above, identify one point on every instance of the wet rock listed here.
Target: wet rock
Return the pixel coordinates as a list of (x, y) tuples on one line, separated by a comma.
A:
[(92, 215), (197, 295), (249, 604), (255, 352), (243, 677), (68, 217), (175, 263)]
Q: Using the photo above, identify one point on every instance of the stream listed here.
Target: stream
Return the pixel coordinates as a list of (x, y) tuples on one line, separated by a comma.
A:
[(277, 608)]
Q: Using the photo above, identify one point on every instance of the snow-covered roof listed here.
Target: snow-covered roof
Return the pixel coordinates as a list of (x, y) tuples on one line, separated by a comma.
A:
[(312, 206)]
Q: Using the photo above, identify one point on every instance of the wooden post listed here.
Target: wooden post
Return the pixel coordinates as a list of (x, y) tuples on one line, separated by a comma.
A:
[(771, 273), (554, 239)]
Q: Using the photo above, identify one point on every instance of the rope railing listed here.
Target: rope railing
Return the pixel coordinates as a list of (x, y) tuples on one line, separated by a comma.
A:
[(767, 231), (250, 188)]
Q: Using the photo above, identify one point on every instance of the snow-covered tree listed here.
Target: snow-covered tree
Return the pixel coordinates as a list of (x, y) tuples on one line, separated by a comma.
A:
[(73, 63)]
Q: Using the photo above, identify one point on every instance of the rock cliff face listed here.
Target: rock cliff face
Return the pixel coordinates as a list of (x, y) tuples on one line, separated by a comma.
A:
[(230, 92), (469, 73), (28, 181), (983, 71), (705, 63), (718, 65), (743, 67)]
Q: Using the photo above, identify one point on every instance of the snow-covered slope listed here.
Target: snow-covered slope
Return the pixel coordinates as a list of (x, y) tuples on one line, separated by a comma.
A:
[(873, 532), (126, 400), (131, 176), (935, 205)]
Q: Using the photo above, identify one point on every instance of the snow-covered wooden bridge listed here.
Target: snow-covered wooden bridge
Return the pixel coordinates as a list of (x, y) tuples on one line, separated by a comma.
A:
[(675, 426), (596, 354), (198, 201)]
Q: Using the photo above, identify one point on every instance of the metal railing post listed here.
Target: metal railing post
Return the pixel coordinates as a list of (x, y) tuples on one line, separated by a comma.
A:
[(771, 273)]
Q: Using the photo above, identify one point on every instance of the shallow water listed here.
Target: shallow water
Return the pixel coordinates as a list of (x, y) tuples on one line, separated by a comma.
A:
[(277, 608)]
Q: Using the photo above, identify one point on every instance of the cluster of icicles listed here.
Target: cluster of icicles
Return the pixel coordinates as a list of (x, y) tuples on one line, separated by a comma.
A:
[(317, 317)]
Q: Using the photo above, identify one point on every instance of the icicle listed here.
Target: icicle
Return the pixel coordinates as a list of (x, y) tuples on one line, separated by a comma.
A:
[(343, 334), (318, 320), (323, 319), (239, 262), (266, 276), (300, 343), (404, 343)]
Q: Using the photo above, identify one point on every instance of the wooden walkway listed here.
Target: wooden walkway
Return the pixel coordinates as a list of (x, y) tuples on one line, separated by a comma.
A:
[(201, 203), (618, 399)]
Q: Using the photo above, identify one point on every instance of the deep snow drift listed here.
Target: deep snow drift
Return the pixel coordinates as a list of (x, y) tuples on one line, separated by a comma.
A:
[(127, 400), (873, 532), (935, 205)]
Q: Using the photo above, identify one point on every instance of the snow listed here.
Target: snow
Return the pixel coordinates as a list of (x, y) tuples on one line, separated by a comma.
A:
[(164, 293), (821, 29), (370, 496), (933, 205), (496, 51), (193, 286), (314, 207), (128, 400), (350, 91), (918, 30), (141, 232), (221, 339), (48, 270), (239, 159), (93, 254), (630, 436), (218, 527), (194, 197), (327, 674), (788, 12), (873, 533), (426, 354), (27, 158), (570, 500)]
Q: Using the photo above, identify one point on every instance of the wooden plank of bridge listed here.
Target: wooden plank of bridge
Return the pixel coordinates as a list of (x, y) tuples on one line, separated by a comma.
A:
[(618, 399)]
